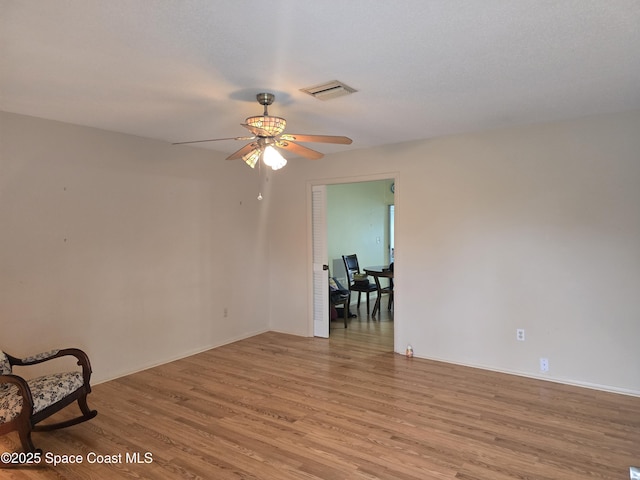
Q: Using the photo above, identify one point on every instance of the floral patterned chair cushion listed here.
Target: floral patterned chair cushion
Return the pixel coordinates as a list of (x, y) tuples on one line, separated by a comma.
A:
[(45, 390), (5, 366)]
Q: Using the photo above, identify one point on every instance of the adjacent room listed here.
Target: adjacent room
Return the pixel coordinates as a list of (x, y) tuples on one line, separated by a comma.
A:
[(176, 176), (360, 224)]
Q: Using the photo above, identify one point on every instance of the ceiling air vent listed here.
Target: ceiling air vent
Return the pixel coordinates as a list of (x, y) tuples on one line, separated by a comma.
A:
[(329, 90)]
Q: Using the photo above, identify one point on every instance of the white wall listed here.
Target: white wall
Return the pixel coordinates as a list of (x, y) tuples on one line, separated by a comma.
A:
[(131, 248), (128, 248), (535, 227)]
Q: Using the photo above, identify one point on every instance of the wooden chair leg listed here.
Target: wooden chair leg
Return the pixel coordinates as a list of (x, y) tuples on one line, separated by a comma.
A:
[(346, 313), (84, 407), (24, 432), (376, 306)]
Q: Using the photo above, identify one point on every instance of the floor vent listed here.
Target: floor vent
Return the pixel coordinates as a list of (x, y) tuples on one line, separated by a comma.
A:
[(329, 90)]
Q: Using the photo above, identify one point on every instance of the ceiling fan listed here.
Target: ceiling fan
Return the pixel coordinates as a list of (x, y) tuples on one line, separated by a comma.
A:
[(268, 136)]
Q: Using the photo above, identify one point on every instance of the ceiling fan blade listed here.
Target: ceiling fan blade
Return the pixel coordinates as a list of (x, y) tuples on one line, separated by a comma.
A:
[(243, 151), (299, 149), (316, 138), (214, 140), (257, 131)]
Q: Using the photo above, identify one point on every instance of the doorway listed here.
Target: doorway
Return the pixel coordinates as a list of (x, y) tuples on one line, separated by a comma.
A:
[(359, 217)]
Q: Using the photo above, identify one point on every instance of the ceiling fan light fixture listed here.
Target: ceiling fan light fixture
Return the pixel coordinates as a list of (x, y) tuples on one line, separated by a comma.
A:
[(252, 157), (268, 133), (272, 158), (273, 125)]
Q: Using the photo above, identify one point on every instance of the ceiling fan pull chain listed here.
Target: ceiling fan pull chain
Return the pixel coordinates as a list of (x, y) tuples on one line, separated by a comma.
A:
[(260, 176)]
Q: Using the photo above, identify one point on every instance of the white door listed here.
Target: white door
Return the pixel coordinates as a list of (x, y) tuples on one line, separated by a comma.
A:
[(320, 261)]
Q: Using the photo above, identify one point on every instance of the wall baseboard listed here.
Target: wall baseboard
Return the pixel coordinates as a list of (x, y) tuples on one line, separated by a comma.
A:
[(575, 383), (178, 357), (562, 381)]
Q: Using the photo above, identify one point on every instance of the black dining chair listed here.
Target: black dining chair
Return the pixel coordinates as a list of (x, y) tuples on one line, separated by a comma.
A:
[(352, 268)]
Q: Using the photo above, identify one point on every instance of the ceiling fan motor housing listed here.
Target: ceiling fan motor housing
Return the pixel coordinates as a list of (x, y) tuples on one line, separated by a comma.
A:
[(265, 98), (269, 126)]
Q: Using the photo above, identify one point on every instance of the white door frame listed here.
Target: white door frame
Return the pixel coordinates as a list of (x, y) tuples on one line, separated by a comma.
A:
[(397, 300), (320, 277)]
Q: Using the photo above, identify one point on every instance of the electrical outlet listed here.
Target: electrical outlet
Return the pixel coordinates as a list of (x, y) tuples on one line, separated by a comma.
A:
[(520, 334), (225, 313), (544, 364)]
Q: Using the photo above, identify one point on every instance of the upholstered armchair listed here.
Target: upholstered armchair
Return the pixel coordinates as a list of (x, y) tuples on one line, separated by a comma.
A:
[(25, 403)]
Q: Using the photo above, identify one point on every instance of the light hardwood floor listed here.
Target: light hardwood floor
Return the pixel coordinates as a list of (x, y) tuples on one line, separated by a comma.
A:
[(278, 406)]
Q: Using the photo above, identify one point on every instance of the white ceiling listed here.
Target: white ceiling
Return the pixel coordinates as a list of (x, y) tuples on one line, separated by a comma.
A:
[(190, 69)]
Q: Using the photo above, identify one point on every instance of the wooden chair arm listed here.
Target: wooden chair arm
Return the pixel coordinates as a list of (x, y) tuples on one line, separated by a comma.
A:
[(32, 360), (83, 361), (81, 356)]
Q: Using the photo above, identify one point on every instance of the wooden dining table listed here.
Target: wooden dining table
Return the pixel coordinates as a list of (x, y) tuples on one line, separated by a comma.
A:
[(378, 272)]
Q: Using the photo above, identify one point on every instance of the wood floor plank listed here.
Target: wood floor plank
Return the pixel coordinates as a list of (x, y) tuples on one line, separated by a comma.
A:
[(277, 406)]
